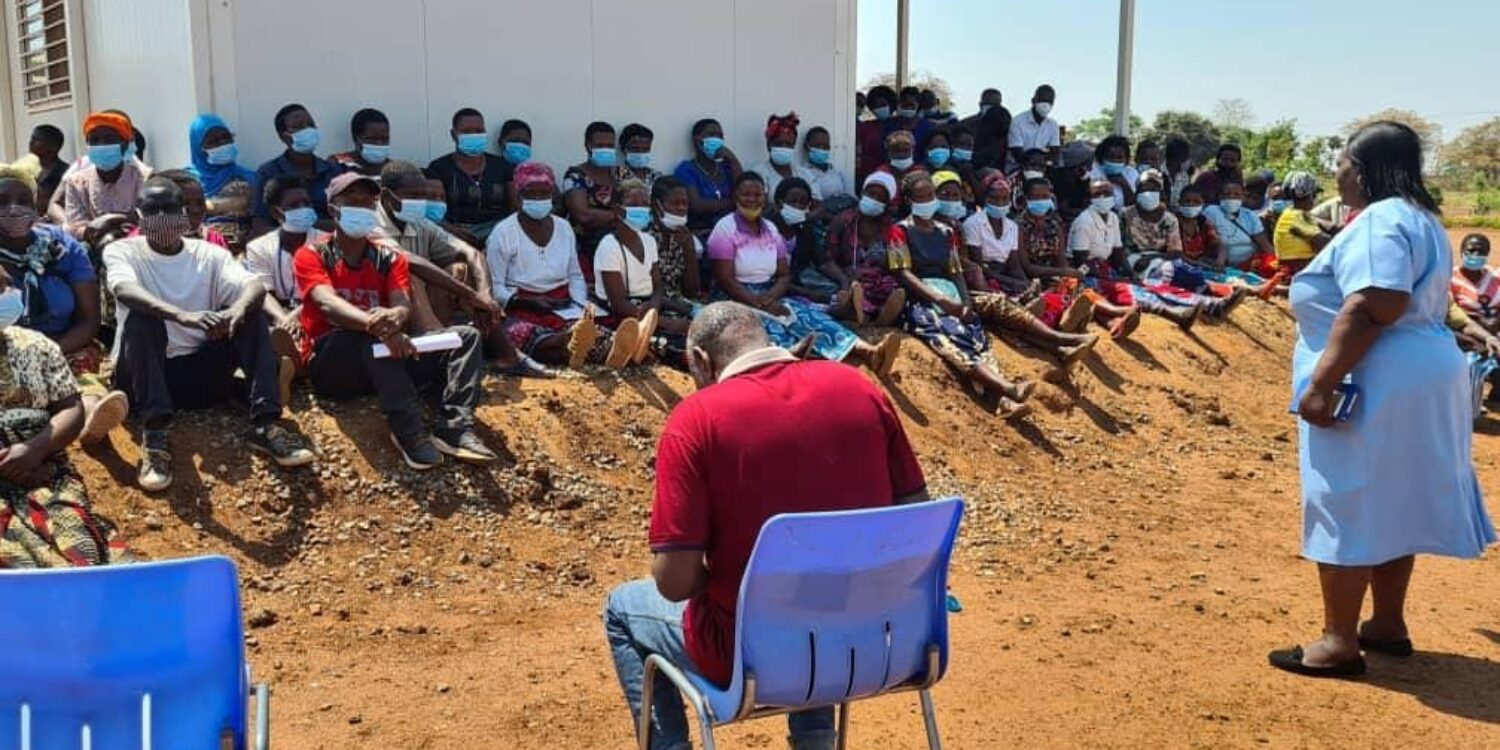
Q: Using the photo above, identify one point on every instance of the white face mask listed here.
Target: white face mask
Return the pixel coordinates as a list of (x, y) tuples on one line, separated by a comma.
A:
[(673, 221), (1043, 108)]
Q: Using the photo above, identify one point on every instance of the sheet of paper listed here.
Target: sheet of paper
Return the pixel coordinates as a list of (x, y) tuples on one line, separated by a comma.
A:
[(432, 342), (571, 312)]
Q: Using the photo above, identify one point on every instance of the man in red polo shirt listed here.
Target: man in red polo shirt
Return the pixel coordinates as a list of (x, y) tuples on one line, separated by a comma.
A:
[(765, 435)]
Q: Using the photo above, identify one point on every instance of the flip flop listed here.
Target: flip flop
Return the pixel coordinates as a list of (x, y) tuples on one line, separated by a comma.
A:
[(1290, 660), (1024, 391), (1076, 318), (110, 412), (1079, 353), (623, 344), (648, 329), (1011, 410), (582, 338), (1393, 647)]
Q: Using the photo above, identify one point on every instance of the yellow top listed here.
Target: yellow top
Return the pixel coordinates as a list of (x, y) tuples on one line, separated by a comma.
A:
[(1294, 230)]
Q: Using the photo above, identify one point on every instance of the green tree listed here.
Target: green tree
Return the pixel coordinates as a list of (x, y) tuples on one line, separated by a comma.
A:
[(1103, 126), (1201, 134), (1475, 153)]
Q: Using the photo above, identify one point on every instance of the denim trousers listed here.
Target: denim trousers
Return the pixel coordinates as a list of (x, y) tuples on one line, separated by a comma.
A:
[(639, 622)]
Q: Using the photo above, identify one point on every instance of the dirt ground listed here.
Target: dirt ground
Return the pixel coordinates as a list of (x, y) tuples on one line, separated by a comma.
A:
[(1128, 558)]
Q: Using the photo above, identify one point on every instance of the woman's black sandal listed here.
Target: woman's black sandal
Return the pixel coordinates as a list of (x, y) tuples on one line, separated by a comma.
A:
[(1390, 647), (1290, 660)]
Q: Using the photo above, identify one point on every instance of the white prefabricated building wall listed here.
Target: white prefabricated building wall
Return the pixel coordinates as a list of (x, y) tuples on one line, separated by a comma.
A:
[(558, 64)]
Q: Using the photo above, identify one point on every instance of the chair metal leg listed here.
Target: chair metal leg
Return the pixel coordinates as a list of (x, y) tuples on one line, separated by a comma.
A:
[(843, 726), (656, 664), (262, 717), (648, 688), (929, 715)]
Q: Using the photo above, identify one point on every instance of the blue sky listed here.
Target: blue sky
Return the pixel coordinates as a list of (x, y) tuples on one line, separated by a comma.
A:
[(1322, 62)]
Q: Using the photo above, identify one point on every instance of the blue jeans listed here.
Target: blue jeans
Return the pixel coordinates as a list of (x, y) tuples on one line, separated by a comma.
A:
[(639, 623)]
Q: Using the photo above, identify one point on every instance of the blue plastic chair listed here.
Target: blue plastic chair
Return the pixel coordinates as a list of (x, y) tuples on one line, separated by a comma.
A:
[(148, 656), (834, 608)]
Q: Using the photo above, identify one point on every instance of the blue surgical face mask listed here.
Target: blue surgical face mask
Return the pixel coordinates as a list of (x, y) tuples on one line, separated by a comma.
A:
[(925, 210), (1231, 205), (305, 140), (537, 209), (412, 210), (937, 157), (953, 209), (903, 163), (997, 212), (107, 156), (357, 222), (1149, 200), (638, 159), (1103, 205), (603, 157), (870, 207), (471, 144), (298, 220), (1475, 262), (12, 307), (638, 217), (1040, 207), (375, 153), (906, 113), (1190, 212), (881, 113), (131, 150), (1280, 205), (792, 215), (819, 157), (711, 146), (782, 155), (516, 152), (436, 211), (963, 155), (1114, 168), (224, 155)]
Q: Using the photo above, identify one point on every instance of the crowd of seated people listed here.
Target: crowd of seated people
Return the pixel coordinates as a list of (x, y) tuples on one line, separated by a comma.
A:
[(243, 281)]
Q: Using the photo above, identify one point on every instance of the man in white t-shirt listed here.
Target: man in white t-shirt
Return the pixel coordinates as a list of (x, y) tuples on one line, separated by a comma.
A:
[(269, 258), (1035, 129), (189, 315)]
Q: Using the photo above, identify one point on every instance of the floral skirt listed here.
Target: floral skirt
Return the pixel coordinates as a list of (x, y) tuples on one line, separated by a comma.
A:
[(833, 341), (878, 286), (963, 345)]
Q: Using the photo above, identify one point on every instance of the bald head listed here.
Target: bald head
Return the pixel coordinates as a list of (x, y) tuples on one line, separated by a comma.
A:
[(724, 331)]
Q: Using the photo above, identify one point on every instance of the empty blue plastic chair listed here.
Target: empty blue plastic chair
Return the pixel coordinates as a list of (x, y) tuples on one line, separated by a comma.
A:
[(147, 657), (834, 608)]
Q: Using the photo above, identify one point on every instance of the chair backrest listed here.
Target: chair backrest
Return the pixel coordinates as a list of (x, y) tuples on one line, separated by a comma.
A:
[(117, 658), (841, 606)]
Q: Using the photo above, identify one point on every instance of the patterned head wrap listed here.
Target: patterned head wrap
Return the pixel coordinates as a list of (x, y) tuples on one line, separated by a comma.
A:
[(1152, 175), (1300, 184), (23, 170), (775, 126), (900, 138), (994, 179), (111, 120), (535, 173)]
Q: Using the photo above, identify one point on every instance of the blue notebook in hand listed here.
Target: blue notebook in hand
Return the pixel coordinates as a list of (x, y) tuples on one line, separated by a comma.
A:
[(1345, 396)]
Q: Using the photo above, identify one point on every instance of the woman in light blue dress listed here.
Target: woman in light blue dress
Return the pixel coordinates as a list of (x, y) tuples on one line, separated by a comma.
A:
[(1396, 478)]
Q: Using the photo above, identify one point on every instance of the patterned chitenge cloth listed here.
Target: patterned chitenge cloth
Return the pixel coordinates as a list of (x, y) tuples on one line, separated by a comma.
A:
[(47, 522)]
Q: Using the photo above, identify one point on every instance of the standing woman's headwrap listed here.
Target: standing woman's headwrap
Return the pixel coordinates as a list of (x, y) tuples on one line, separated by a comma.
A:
[(213, 176)]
